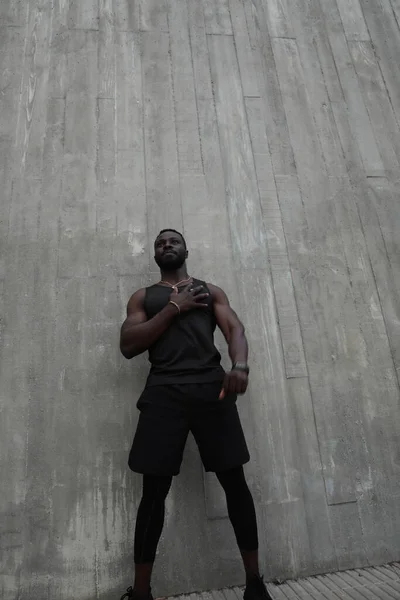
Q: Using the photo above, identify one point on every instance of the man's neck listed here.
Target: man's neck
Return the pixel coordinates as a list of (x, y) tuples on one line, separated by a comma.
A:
[(174, 277)]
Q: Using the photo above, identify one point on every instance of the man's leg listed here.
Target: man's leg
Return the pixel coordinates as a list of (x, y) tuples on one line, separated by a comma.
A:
[(149, 525), (157, 447), (242, 515)]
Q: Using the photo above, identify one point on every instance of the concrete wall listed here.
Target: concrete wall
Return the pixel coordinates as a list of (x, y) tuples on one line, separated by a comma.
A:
[(268, 131)]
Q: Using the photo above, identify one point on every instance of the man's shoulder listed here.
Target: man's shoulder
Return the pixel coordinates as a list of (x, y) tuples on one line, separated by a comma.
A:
[(214, 289), (141, 292), (137, 297)]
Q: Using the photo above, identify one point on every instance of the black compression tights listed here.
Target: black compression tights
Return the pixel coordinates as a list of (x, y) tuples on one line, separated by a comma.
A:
[(150, 516)]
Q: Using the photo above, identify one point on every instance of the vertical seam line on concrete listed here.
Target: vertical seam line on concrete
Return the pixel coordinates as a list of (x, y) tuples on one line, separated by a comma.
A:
[(140, 36), (195, 93), (297, 305), (379, 295), (207, 35), (174, 109), (260, 206)]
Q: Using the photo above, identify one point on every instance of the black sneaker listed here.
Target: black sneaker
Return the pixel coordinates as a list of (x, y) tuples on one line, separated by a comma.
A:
[(129, 594), (256, 589)]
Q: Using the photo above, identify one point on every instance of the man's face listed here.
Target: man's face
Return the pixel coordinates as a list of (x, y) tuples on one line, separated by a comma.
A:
[(169, 251)]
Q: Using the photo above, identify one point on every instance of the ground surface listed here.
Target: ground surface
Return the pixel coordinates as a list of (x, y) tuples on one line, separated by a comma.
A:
[(380, 583)]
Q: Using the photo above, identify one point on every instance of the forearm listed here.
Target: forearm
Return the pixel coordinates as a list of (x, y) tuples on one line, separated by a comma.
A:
[(138, 338), (237, 345)]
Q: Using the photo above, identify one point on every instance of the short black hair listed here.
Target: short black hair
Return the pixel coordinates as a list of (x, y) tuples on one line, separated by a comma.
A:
[(175, 231)]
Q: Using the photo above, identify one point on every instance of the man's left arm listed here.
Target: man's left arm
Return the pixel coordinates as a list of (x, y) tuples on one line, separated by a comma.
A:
[(227, 320)]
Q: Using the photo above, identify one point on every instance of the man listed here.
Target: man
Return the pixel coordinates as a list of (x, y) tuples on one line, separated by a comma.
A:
[(187, 390)]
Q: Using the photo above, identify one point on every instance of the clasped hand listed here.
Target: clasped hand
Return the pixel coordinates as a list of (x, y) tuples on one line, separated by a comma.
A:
[(235, 382)]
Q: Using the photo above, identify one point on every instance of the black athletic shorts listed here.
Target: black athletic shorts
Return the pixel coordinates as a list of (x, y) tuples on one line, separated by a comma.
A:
[(169, 412)]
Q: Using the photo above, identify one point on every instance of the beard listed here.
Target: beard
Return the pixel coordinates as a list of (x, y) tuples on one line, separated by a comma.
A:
[(170, 262)]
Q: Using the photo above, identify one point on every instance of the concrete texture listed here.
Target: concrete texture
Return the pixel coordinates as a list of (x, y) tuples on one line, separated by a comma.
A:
[(268, 131)]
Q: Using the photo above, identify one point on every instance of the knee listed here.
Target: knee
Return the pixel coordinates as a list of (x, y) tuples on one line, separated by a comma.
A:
[(233, 481), (155, 488)]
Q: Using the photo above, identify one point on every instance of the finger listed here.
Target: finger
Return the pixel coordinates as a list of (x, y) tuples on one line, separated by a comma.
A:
[(237, 385), (225, 385), (222, 394), (197, 290), (187, 288), (200, 297), (229, 385), (243, 386)]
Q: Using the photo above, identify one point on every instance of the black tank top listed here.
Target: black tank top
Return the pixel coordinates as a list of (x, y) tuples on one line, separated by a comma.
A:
[(185, 353)]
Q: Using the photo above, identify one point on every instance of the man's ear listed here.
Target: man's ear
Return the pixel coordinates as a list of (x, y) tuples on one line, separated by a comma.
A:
[(186, 254)]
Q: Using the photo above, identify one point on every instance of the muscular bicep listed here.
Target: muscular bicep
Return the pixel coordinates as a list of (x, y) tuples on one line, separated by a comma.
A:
[(227, 319), (135, 313)]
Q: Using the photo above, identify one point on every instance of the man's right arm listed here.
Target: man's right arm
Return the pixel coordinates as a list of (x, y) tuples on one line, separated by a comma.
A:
[(138, 333)]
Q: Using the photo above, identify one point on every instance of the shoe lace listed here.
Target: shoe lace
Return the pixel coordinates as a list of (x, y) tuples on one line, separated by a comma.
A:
[(128, 594)]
